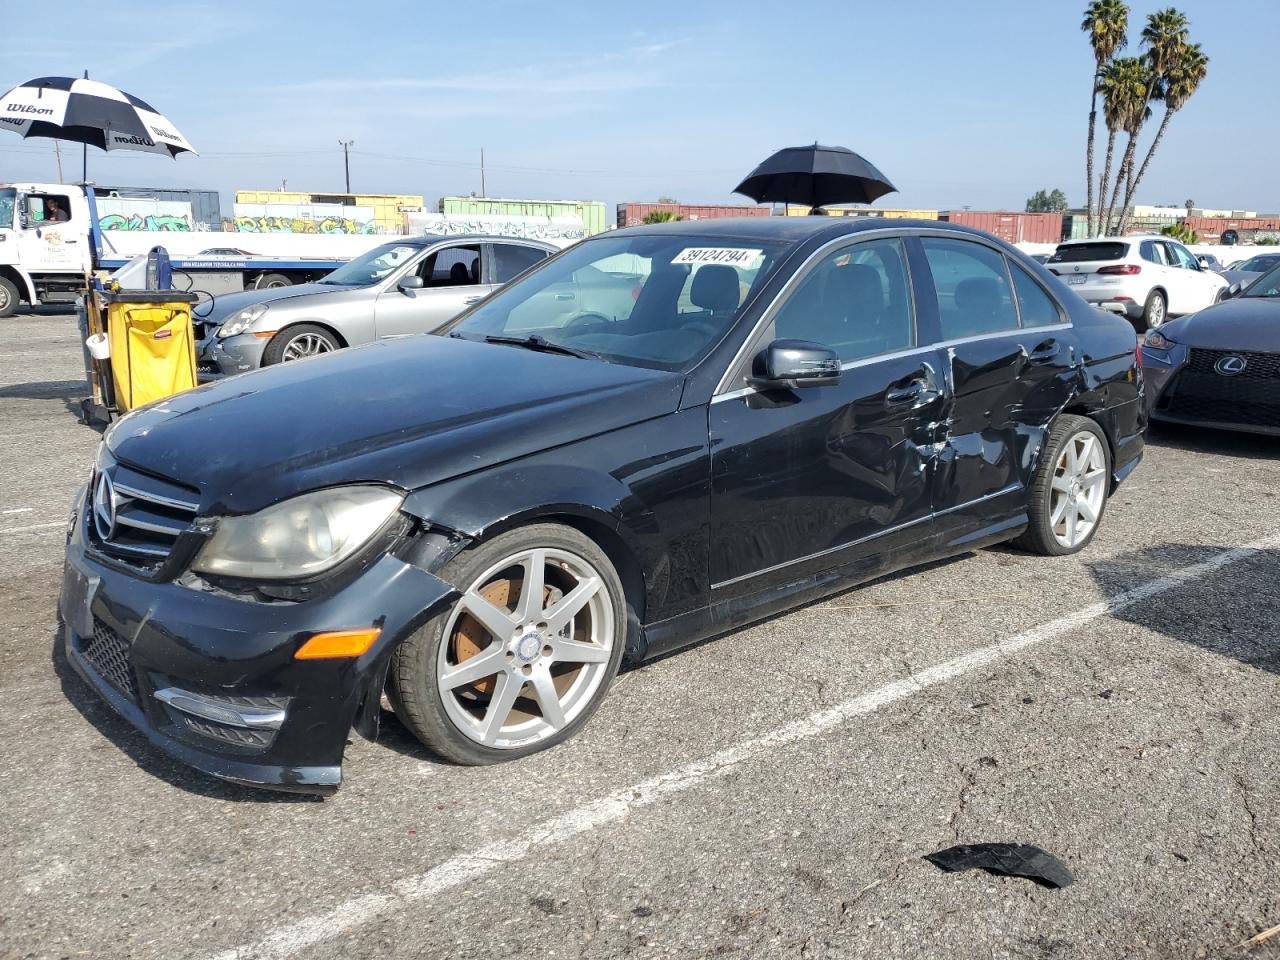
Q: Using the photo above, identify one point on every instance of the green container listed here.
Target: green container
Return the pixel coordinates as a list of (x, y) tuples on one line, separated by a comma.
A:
[(590, 212)]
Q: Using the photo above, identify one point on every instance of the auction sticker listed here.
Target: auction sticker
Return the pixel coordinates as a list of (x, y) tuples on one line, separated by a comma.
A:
[(741, 257)]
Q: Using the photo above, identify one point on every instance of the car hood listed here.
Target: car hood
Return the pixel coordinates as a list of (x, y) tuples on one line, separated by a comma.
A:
[(224, 306), (1245, 323), (410, 413)]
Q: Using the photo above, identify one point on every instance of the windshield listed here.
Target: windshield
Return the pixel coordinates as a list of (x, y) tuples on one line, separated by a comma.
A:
[(378, 264), (1267, 285), (1082, 252), (1254, 264), (651, 301), (7, 198)]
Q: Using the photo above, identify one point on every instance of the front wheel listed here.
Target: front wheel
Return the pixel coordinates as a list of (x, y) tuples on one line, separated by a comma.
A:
[(8, 298), (525, 655), (1069, 493), (299, 342)]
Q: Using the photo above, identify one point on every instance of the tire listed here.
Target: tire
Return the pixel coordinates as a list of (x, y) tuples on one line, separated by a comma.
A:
[(454, 721), (1045, 496), (272, 281), (1154, 312), (9, 298), (298, 342)]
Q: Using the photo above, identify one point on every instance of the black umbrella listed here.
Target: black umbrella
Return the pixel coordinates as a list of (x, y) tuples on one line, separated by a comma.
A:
[(86, 111), (815, 176)]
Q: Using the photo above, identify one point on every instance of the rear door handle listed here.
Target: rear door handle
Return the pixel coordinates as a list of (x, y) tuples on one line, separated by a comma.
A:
[(1044, 352), (564, 296)]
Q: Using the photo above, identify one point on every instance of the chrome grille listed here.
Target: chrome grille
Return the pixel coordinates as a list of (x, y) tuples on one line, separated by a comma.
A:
[(108, 654), (137, 517)]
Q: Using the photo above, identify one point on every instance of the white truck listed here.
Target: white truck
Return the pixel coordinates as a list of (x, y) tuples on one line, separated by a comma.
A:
[(50, 241)]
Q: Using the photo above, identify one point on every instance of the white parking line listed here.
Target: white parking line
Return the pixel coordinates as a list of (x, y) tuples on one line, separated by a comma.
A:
[(34, 526), (291, 938)]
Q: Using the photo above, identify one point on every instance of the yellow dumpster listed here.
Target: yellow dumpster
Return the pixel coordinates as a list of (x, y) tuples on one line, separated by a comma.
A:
[(153, 352)]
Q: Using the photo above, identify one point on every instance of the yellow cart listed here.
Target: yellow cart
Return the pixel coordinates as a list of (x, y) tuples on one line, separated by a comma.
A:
[(153, 353)]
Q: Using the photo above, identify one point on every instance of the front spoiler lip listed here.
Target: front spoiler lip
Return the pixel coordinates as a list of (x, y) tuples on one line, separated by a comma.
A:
[(1159, 417), (323, 780)]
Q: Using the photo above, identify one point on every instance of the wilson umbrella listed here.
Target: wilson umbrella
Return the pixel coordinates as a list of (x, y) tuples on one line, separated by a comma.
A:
[(86, 111), (815, 176)]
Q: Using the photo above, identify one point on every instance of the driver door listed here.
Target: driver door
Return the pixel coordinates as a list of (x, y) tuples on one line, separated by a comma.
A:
[(44, 244), (450, 275)]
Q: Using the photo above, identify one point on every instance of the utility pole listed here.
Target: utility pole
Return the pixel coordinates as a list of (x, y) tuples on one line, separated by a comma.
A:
[(57, 152), (346, 159), (482, 193)]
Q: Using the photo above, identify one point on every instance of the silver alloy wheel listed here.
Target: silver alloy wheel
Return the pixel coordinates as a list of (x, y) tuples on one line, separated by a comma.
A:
[(1078, 489), (546, 621), (4, 298), (1157, 312), (305, 345)]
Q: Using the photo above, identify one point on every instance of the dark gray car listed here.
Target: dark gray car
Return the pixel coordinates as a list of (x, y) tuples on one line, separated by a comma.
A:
[(408, 285), (1245, 272), (1220, 367)]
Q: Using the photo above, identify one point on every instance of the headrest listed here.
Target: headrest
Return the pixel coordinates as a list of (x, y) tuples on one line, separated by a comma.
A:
[(715, 288)]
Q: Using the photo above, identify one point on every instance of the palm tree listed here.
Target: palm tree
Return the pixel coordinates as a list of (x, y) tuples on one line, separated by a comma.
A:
[(1107, 24), (1182, 78), (1124, 101)]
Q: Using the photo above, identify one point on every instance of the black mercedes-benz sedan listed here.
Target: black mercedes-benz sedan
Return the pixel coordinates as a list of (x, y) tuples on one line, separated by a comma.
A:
[(661, 434), (1220, 367)]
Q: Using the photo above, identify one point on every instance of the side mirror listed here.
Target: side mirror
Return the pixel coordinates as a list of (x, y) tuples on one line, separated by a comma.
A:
[(24, 217), (1203, 261), (790, 364), (409, 283)]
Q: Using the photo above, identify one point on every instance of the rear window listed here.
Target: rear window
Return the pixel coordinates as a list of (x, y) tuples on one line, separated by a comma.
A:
[(1080, 252)]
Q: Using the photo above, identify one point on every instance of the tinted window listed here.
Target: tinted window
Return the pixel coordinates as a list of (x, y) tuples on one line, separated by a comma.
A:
[(452, 267), (1182, 257), (1035, 306), (1080, 252), (856, 301), (1154, 252), (509, 260), (652, 300), (973, 288)]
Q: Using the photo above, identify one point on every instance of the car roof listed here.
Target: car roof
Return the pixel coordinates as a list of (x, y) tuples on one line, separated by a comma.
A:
[(786, 229), (425, 240)]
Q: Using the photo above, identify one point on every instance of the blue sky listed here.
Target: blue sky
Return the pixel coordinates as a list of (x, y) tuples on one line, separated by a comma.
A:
[(962, 104)]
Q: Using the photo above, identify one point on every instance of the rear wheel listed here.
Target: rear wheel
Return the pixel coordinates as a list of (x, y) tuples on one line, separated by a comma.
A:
[(299, 342), (272, 281), (1154, 311), (525, 655), (8, 298), (1069, 493)]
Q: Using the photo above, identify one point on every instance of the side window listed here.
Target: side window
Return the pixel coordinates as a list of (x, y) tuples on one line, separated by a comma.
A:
[(451, 267), (1183, 257), (45, 208), (1151, 252), (510, 260), (1036, 307), (857, 301), (973, 288)]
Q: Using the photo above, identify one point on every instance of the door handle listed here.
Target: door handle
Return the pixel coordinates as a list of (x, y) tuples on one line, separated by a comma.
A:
[(564, 296), (470, 300), (919, 390), (911, 391), (1044, 352)]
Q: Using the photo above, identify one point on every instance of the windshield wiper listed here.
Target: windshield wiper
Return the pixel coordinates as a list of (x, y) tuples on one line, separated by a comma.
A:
[(537, 342)]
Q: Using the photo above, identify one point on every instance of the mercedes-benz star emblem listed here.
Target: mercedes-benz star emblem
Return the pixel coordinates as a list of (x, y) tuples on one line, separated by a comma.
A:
[(1231, 366), (104, 506)]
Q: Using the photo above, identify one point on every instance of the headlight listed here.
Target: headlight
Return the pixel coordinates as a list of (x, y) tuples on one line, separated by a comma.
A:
[(240, 321), (1157, 341), (300, 537)]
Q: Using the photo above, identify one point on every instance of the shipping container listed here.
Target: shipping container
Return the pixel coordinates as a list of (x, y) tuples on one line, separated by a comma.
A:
[(1210, 229), (633, 214), (1010, 227), (206, 211), (889, 213), (389, 209), (590, 212)]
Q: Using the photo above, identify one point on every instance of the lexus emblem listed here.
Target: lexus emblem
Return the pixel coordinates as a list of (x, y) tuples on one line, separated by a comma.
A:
[(1231, 366), (104, 506)]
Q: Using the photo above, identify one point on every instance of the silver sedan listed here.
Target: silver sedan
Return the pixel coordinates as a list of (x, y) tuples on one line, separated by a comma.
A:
[(406, 286)]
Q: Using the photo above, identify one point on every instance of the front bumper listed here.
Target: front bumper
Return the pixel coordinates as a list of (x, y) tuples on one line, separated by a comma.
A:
[(132, 638), (223, 358), (1187, 393)]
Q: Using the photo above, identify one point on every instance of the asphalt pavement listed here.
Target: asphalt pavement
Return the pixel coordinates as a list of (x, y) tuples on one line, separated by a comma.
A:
[(770, 793)]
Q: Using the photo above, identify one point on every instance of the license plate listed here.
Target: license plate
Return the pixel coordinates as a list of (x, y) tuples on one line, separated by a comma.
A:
[(1075, 279)]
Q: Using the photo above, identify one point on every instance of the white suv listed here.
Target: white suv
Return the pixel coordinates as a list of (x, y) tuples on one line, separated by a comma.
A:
[(1147, 279)]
